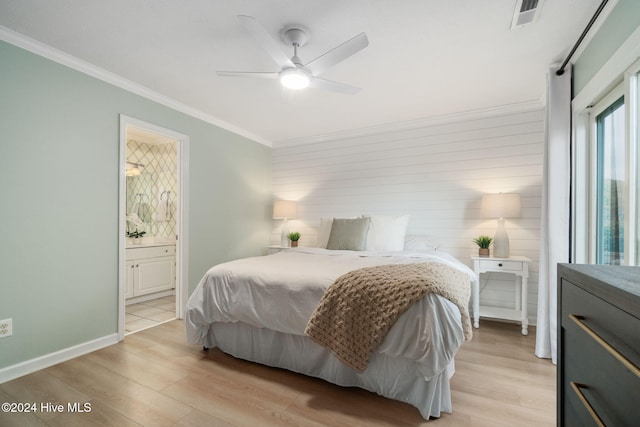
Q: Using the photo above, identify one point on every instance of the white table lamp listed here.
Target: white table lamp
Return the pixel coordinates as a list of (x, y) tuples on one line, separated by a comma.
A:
[(285, 210), (501, 206)]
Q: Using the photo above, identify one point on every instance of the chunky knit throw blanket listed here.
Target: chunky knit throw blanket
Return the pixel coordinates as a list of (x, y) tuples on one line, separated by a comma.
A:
[(359, 308)]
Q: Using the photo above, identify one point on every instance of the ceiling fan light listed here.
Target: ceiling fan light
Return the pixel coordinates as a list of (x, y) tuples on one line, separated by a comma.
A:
[(294, 78)]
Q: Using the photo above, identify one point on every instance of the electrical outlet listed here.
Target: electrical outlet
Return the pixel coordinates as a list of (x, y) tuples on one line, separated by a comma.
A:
[(6, 328)]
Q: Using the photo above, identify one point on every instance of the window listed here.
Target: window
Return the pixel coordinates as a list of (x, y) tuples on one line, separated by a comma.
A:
[(606, 173), (606, 169), (610, 184), (634, 153)]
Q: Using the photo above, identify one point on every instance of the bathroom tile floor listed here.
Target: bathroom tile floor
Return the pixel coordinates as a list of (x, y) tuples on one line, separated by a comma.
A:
[(150, 313)]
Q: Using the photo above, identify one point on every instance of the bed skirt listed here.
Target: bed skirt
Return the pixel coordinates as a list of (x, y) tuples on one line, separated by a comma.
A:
[(395, 378)]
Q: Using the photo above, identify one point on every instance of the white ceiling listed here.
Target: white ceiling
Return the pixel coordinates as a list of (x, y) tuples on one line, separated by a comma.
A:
[(425, 58)]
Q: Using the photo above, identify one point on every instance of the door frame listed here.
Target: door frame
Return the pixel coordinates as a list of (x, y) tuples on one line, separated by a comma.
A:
[(182, 215)]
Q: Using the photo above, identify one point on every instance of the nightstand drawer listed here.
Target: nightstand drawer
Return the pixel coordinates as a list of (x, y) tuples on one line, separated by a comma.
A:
[(496, 265), (150, 252)]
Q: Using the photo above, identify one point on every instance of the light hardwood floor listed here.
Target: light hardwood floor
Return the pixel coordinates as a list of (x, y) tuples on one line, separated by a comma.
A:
[(154, 378)]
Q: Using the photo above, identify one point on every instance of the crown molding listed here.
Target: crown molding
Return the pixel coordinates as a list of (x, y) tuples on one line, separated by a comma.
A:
[(483, 113), (53, 54)]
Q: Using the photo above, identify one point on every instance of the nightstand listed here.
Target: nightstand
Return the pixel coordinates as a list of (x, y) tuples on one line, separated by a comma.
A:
[(516, 265)]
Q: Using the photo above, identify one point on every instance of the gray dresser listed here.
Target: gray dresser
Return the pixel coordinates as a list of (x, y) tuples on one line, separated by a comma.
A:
[(598, 345)]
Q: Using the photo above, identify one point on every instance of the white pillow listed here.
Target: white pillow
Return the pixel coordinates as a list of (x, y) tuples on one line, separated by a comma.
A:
[(386, 233), (420, 243), (324, 232)]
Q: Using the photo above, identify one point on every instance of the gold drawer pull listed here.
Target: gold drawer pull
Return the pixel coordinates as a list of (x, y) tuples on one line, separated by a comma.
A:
[(576, 387), (615, 353)]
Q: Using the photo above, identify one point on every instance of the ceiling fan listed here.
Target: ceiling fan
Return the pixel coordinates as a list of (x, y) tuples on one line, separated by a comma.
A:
[(293, 73)]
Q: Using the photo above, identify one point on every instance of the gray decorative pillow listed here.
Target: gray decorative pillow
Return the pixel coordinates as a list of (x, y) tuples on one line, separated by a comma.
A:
[(349, 234)]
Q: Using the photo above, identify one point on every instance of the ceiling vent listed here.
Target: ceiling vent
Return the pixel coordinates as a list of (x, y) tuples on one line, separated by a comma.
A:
[(526, 12)]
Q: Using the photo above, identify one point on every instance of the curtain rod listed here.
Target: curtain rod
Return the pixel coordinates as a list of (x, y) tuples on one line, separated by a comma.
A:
[(582, 36)]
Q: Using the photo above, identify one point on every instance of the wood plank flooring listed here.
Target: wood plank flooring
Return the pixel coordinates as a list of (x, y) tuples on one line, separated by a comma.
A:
[(154, 378)]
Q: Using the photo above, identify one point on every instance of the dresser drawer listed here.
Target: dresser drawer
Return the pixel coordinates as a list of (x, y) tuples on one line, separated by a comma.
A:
[(608, 383), (618, 328), (495, 265), (150, 252)]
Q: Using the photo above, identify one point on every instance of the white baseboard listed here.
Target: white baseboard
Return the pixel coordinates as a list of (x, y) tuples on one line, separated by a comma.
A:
[(27, 367)]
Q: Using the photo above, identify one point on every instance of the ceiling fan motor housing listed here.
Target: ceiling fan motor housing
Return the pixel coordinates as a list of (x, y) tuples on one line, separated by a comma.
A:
[(295, 36)]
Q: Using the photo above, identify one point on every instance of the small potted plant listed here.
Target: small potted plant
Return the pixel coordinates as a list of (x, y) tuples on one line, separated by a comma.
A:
[(483, 243), (133, 221), (136, 234), (294, 237)]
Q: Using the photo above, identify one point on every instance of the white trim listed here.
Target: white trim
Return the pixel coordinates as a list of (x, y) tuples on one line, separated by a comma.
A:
[(610, 74), (631, 82), (503, 110), (29, 366), (592, 174), (580, 188), (182, 222), (182, 215), (77, 64), (122, 226)]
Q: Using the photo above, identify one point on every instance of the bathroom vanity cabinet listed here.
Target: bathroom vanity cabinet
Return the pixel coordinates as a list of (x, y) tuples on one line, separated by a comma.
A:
[(150, 269)]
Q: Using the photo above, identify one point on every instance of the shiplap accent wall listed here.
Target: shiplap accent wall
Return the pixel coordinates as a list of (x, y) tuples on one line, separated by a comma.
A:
[(436, 173)]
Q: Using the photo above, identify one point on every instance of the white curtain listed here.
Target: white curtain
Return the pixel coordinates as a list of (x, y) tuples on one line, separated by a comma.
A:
[(555, 224)]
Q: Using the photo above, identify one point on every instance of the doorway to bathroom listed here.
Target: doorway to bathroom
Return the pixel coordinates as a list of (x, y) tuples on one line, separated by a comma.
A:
[(152, 267)]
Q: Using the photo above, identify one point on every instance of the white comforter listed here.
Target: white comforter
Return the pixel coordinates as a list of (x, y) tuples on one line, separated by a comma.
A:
[(281, 291)]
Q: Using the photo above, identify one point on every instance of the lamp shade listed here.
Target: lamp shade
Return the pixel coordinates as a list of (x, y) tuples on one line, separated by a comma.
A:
[(501, 205), (284, 209)]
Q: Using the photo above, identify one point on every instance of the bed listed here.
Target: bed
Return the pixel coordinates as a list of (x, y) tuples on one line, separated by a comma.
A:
[(259, 308)]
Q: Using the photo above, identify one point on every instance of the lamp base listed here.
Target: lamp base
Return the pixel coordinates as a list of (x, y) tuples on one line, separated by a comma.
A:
[(284, 240), (501, 241)]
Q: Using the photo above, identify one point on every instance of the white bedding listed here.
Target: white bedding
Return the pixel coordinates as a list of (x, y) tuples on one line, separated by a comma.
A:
[(279, 292)]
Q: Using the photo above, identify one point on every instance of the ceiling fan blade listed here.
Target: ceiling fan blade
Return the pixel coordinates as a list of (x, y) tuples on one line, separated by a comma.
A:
[(258, 74), (329, 59), (265, 40), (319, 83)]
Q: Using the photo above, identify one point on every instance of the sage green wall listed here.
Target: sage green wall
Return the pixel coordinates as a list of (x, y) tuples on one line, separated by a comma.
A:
[(59, 145), (623, 20)]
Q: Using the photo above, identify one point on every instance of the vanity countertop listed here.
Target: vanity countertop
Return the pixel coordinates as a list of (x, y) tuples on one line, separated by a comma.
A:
[(147, 242)]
